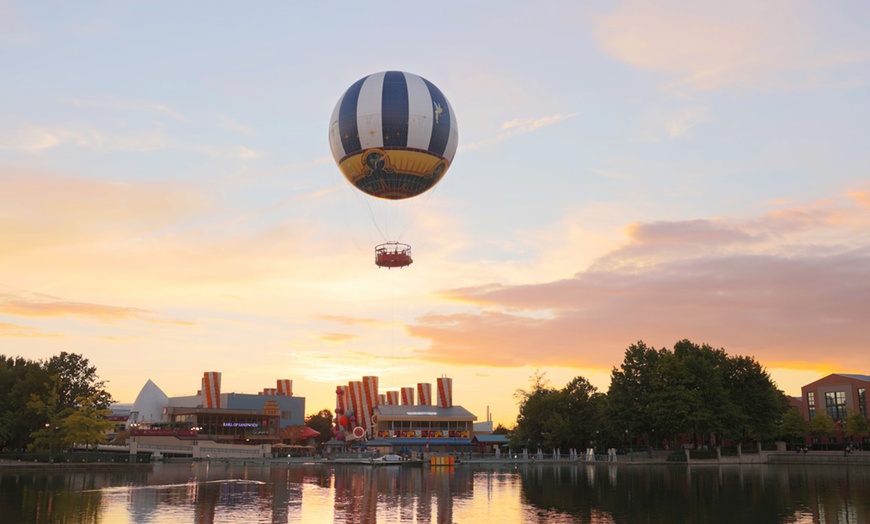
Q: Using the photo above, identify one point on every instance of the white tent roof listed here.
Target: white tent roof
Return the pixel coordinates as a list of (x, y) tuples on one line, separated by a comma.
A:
[(149, 405)]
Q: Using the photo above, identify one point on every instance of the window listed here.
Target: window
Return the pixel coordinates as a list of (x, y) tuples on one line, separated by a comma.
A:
[(862, 401), (835, 401), (811, 404)]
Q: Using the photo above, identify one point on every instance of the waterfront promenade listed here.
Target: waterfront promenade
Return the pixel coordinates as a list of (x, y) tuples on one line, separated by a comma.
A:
[(857, 458)]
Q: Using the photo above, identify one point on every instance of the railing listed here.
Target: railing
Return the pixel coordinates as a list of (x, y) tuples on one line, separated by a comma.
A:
[(819, 458)]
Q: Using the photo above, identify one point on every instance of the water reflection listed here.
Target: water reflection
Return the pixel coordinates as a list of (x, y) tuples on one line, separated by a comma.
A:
[(666, 494), (220, 492)]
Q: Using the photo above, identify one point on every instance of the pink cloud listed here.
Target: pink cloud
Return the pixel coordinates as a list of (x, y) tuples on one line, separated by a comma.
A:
[(790, 286)]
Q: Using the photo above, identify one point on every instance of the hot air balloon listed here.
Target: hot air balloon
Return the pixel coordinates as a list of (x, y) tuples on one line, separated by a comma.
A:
[(393, 135)]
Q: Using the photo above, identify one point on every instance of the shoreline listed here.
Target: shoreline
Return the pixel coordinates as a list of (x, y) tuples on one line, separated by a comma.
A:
[(774, 458)]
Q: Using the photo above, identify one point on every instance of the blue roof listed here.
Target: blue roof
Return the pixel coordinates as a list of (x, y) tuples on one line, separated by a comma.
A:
[(865, 378), (419, 442), (492, 439)]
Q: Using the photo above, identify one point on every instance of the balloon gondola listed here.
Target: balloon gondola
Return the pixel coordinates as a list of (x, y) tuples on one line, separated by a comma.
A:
[(393, 135), (393, 254)]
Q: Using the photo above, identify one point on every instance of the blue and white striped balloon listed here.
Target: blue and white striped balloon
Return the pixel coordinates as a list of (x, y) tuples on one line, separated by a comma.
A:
[(393, 135)]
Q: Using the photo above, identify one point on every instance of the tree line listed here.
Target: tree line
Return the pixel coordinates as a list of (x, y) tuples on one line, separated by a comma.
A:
[(52, 404), (655, 396)]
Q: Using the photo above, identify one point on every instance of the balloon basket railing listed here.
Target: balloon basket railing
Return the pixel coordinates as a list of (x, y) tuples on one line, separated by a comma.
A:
[(393, 254)]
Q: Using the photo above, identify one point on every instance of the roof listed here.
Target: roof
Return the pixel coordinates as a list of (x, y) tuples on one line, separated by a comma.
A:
[(865, 378), (418, 442), (492, 439), (392, 412), (149, 404)]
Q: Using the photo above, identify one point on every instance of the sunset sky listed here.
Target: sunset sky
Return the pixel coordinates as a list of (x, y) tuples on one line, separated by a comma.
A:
[(627, 170)]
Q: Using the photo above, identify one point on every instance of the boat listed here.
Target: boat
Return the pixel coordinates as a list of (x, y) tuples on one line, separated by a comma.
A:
[(390, 459)]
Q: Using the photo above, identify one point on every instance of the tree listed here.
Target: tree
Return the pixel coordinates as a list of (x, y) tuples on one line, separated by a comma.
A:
[(584, 413), (631, 389), (80, 380), (855, 425), (51, 435), (321, 422), (570, 417), (822, 425), (19, 380), (793, 425), (759, 403), (501, 430), (535, 406), (675, 402), (87, 424), (717, 413)]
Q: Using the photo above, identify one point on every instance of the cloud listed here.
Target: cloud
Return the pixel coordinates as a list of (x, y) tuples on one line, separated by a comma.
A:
[(337, 337), (517, 127), (131, 105), (711, 45), (41, 210), (16, 331), (48, 306), (354, 321), (681, 124), (13, 28), (32, 138), (232, 125), (779, 287)]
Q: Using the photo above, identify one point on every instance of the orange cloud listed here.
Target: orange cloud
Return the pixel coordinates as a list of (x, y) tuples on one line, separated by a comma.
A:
[(337, 337), (44, 306), (787, 287), (50, 210), (16, 331)]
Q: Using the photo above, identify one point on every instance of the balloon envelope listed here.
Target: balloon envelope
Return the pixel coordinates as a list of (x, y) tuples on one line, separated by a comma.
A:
[(393, 135)]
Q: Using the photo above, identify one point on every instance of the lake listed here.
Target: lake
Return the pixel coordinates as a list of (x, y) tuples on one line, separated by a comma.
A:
[(218, 492)]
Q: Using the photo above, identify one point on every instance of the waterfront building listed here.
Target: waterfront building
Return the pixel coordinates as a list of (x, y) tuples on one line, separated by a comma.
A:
[(837, 394), (393, 421), (212, 423)]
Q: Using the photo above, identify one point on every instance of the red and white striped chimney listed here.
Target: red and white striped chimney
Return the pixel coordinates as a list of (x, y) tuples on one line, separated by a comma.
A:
[(392, 398), (445, 392), (211, 389), (407, 396), (424, 394), (285, 387)]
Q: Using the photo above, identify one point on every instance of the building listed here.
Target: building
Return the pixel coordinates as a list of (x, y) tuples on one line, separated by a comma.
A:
[(393, 422), (212, 423), (838, 395)]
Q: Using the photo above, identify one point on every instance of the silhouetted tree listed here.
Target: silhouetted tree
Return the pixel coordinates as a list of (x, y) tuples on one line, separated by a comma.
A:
[(322, 422)]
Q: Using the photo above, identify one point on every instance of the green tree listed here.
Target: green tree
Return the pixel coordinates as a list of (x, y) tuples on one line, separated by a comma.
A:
[(535, 407), (561, 419), (583, 411), (759, 404), (19, 380), (855, 425), (822, 425), (631, 391), (793, 425), (80, 380), (675, 402), (321, 422), (50, 436), (87, 424)]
